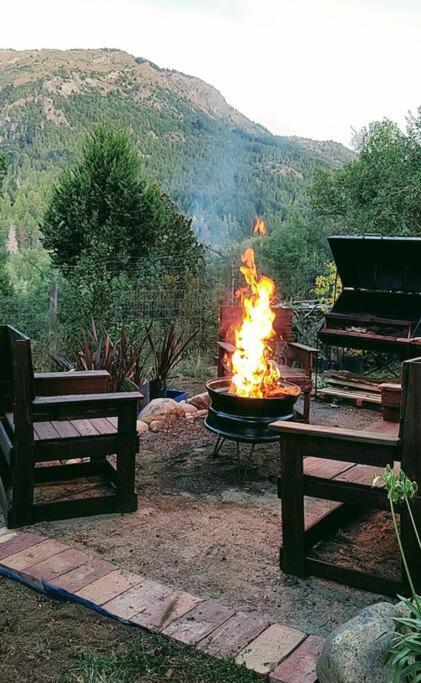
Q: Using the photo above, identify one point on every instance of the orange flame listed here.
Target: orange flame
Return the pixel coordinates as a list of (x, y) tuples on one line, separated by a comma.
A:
[(259, 226), (255, 374)]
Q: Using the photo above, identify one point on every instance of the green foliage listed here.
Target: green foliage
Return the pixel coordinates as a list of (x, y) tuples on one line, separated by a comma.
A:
[(103, 208), (380, 190), (405, 650)]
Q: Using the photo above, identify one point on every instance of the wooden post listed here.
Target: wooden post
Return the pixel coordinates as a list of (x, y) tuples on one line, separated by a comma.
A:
[(411, 462), (52, 319), (23, 457), (292, 495), (126, 458)]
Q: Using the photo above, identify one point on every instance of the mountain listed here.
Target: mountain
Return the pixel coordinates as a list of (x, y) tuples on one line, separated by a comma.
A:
[(220, 167)]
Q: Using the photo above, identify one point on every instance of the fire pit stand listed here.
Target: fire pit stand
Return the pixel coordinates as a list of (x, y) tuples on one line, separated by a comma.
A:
[(244, 420)]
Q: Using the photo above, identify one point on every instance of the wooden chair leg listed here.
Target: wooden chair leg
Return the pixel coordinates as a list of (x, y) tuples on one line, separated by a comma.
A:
[(126, 499), (292, 502), (306, 406)]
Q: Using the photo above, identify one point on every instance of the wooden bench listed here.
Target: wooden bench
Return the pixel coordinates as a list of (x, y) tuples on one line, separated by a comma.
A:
[(338, 465), (50, 417)]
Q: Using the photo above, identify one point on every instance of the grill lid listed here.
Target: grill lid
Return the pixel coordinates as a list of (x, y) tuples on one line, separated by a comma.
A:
[(378, 263)]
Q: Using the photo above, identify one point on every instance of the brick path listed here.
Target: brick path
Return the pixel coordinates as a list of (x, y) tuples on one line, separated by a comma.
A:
[(280, 653)]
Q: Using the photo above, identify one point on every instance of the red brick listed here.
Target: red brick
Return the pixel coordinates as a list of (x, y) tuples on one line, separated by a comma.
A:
[(109, 586), (57, 564), (166, 608), (199, 622), (82, 576), (270, 648), (133, 601), (300, 666), (18, 543), (227, 640), (36, 553)]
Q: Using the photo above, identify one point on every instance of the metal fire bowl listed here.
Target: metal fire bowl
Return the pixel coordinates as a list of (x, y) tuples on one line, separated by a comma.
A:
[(245, 419)]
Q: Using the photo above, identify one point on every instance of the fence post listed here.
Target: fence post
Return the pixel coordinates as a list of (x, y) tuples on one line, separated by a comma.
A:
[(52, 319)]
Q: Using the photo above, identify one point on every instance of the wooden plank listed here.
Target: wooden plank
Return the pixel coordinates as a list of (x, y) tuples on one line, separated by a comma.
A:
[(72, 471), (353, 577), (358, 397), (104, 426), (411, 463), (335, 433), (64, 429), (82, 447), (84, 427), (73, 382), (45, 431), (126, 500), (292, 501), (23, 471), (327, 469), (67, 509), (360, 474), (346, 492), (383, 427), (374, 388)]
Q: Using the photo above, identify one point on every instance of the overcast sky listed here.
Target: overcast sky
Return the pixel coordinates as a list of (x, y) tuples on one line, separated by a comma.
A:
[(314, 68)]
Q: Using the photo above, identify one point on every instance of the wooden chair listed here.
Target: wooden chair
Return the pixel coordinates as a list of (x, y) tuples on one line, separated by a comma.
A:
[(49, 417), (338, 465), (296, 361)]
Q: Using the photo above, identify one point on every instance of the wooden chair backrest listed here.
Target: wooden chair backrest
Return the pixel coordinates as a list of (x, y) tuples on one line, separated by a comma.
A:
[(410, 419), (17, 374)]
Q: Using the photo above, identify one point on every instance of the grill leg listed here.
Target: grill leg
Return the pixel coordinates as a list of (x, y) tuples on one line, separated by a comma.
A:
[(219, 443), (248, 461), (238, 462)]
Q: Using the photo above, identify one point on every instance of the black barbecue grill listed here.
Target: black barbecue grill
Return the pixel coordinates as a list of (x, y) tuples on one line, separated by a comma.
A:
[(379, 307)]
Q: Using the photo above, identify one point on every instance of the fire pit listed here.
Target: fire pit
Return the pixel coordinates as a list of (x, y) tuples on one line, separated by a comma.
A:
[(246, 419)]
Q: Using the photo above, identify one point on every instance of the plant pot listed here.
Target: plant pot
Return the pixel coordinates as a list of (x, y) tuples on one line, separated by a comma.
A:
[(157, 388), (144, 390)]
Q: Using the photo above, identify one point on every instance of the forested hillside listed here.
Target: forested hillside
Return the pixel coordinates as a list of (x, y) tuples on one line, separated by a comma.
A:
[(221, 168)]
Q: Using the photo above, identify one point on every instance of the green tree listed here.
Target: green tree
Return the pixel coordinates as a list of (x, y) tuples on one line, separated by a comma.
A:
[(380, 190), (104, 206), (4, 279)]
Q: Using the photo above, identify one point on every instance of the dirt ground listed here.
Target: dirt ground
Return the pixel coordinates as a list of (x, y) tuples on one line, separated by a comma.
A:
[(199, 530)]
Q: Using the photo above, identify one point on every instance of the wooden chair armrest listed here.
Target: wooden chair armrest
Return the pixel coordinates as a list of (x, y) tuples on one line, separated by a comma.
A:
[(71, 383), (81, 406), (226, 346), (303, 347), (334, 433)]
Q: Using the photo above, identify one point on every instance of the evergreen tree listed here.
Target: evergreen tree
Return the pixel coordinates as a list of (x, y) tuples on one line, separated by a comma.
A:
[(4, 279), (103, 206)]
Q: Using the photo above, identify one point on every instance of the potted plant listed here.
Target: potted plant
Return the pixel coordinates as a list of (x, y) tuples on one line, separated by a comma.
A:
[(166, 355)]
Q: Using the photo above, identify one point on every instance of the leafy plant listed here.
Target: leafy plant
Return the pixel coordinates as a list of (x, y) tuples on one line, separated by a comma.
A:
[(405, 649), (168, 354), (123, 359)]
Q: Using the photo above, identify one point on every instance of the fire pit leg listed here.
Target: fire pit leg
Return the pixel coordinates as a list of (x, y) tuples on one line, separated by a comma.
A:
[(219, 443), (248, 461)]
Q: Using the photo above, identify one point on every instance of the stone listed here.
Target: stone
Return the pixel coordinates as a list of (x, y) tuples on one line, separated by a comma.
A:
[(269, 648), (36, 553), (142, 427), (201, 413), (301, 664), (227, 640), (199, 622), (166, 608), (133, 601), (156, 425), (200, 401), (356, 650), (189, 408), (109, 586), (76, 579), (19, 542), (57, 564), (164, 409)]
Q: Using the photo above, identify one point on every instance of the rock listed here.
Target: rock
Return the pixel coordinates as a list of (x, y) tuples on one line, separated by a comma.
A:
[(163, 409), (142, 427), (201, 413), (156, 425), (200, 401), (355, 652), (189, 408)]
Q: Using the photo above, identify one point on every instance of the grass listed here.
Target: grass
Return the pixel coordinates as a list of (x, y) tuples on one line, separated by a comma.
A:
[(153, 658)]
